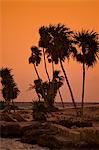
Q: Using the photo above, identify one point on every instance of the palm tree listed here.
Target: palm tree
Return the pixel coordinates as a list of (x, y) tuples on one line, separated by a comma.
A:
[(37, 88), (35, 59), (59, 79), (43, 42), (51, 88), (10, 90), (44, 39), (59, 47), (87, 54)]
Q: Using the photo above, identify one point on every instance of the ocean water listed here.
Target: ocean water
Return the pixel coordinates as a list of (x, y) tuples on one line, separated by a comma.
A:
[(28, 105)]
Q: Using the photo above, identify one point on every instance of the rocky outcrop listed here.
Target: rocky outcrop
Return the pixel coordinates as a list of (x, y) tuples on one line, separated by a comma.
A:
[(6, 117), (50, 134), (10, 129), (54, 141)]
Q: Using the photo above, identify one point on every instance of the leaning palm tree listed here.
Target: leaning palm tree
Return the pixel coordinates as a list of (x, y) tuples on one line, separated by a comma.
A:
[(87, 54), (35, 59), (59, 47), (43, 42)]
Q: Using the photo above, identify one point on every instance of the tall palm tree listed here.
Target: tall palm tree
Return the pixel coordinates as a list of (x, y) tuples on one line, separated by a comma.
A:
[(44, 38), (35, 59), (43, 42), (87, 54), (59, 47)]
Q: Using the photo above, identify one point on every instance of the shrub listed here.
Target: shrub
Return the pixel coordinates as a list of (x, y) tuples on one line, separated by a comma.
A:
[(39, 111), (2, 104)]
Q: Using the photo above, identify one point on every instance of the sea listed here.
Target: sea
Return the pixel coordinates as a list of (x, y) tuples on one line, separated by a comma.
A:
[(28, 105)]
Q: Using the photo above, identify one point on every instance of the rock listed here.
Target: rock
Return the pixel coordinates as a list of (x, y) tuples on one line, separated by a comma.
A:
[(18, 117), (7, 117), (30, 137), (90, 135), (28, 126), (10, 129), (31, 132), (54, 141)]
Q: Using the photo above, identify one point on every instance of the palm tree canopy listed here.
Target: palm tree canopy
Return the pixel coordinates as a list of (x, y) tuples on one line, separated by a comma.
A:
[(57, 77), (10, 90), (57, 41), (5, 74), (35, 57), (88, 44), (44, 37)]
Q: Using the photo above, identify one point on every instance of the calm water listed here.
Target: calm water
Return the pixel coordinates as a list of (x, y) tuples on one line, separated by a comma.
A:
[(28, 105)]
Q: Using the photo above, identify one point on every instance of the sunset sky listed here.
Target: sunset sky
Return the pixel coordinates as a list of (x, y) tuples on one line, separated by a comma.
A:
[(19, 24)]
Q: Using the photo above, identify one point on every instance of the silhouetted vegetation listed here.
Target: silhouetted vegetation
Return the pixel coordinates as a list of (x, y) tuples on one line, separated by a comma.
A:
[(43, 42), (86, 52), (58, 46), (9, 90), (2, 105), (39, 111), (58, 43)]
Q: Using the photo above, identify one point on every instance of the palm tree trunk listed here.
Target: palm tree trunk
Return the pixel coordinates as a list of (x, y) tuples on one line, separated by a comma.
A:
[(46, 65), (61, 98), (83, 87), (38, 97), (44, 96), (13, 106), (71, 93), (58, 89)]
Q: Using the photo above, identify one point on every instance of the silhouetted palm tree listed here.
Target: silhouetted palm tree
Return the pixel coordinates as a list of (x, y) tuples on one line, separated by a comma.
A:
[(52, 87), (35, 59), (9, 90), (59, 47), (44, 38), (87, 54), (37, 88), (43, 42), (60, 80)]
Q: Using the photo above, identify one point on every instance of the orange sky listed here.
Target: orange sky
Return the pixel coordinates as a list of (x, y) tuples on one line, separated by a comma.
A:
[(20, 21)]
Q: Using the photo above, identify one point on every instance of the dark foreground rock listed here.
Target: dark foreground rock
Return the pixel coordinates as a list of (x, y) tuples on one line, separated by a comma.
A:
[(51, 135), (54, 141), (10, 129), (32, 133)]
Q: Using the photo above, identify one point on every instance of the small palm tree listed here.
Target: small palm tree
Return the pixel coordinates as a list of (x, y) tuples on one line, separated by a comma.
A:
[(37, 88), (35, 59), (52, 87), (59, 47), (87, 54), (10, 90), (59, 79), (43, 42)]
